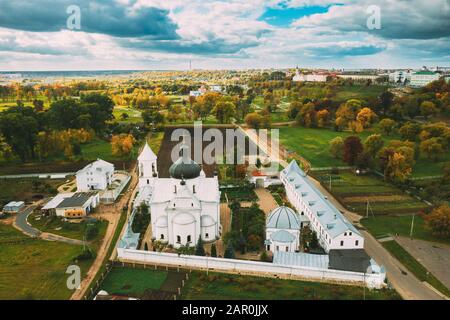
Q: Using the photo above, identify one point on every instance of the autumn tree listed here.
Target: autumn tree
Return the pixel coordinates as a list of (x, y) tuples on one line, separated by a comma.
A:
[(122, 144), (323, 118), (432, 148), (337, 147), (352, 148), (386, 126), (347, 112), (428, 108), (373, 144), (224, 110), (366, 117), (438, 221)]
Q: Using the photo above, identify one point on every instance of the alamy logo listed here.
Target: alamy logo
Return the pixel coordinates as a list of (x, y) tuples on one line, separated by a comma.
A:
[(74, 280), (74, 20), (374, 19)]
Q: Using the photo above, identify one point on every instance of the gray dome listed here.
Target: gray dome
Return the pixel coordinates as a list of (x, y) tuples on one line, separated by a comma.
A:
[(185, 167), (283, 218)]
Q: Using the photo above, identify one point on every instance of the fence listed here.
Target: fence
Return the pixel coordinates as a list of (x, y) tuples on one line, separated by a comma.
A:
[(255, 268)]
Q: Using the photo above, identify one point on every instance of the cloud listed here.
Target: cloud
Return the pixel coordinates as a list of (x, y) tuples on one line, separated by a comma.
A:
[(104, 17)]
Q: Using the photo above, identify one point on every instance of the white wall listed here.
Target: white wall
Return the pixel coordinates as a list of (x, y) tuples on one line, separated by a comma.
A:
[(251, 267)]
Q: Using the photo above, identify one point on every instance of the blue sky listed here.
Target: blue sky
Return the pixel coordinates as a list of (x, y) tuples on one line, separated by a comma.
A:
[(222, 34)]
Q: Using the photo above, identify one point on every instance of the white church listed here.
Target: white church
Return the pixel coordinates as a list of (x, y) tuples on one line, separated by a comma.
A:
[(182, 207)]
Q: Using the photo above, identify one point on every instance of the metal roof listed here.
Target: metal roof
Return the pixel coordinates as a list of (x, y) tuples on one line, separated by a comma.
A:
[(282, 236), (76, 200), (349, 260), (326, 213), (301, 259), (283, 218)]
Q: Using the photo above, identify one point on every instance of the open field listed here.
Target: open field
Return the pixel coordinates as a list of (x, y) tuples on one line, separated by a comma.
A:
[(361, 92), (145, 284), (313, 145), (414, 266), (133, 115), (27, 189), (382, 226), (217, 286), (33, 268), (354, 191)]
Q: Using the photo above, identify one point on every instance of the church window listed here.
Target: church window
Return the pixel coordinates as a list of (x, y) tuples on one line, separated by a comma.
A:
[(206, 235), (162, 236), (342, 243), (268, 247), (148, 181), (345, 233), (175, 191), (287, 249), (178, 239), (189, 238), (356, 242), (278, 248), (350, 233), (193, 188)]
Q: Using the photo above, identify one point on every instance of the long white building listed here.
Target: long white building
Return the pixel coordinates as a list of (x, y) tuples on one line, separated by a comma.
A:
[(332, 228), (422, 78)]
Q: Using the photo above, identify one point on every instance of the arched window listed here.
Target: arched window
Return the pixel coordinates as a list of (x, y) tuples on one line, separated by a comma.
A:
[(162, 236), (178, 239), (189, 238)]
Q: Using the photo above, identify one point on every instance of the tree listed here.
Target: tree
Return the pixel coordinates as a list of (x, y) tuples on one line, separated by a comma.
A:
[(373, 144), (386, 126), (347, 112), (229, 251), (385, 99), (337, 147), (428, 108), (122, 144), (397, 167), (438, 221), (432, 148), (213, 250), (254, 120), (366, 117), (307, 115), (199, 249), (410, 131), (224, 110), (352, 148), (322, 118)]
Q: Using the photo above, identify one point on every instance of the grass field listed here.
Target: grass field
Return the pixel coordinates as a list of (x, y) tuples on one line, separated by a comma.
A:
[(361, 92), (381, 226), (414, 266), (133, 115), (27, 189), (313, 145), (55, 225), (218, 286), (133, 282), (354, 191), (35, 269)]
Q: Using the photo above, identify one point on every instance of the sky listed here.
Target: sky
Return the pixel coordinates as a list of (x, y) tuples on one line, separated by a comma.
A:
[(222, 34)]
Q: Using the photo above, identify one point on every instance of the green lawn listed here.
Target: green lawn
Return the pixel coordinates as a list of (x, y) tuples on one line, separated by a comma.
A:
[(314, 144), (98, 148), (361, 92), (133, 115), (66, 229), (133, 282), (414, 266), (390, 225), (355, 190), (217, 286), (33, 268)]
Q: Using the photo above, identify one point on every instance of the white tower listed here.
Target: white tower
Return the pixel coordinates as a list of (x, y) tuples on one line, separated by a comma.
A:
[(148, 168)]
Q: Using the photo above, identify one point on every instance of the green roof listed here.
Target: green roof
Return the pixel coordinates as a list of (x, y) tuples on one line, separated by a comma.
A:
[(425, 72)]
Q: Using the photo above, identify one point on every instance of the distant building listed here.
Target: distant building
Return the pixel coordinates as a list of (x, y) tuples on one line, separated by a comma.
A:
[(95, 176), (422, 78), (215, 88), (313, 77), (372, 77), (400, 76), (333, 230), (195, 93), (13, 207)]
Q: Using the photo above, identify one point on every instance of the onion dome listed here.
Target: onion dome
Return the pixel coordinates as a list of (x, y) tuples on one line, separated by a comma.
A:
[(185, 167)]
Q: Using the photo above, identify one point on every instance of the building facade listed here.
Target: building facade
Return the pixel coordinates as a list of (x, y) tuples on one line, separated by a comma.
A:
[(333, 230), (282, 230), (97, 175), (422, 78), (185, 206)]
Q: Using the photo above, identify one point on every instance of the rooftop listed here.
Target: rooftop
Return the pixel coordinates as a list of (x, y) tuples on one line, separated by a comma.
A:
[(301, 259), (283, 218), (76, 200), (328, 215)]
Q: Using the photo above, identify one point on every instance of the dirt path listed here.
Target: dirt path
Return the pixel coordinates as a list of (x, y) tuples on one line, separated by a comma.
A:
[(111, 213), (266, 201)]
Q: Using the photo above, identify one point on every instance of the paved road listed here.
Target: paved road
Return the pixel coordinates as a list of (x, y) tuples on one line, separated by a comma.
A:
[(21, 223), (408, 286)]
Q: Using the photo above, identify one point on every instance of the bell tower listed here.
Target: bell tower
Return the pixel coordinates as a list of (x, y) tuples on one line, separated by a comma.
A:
[(147, 166)]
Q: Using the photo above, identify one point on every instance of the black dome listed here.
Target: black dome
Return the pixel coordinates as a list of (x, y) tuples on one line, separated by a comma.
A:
[(184, 167)]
